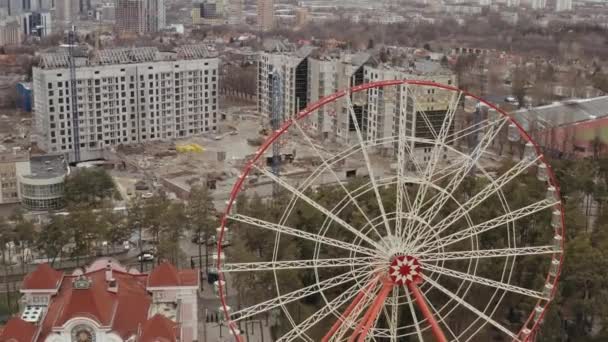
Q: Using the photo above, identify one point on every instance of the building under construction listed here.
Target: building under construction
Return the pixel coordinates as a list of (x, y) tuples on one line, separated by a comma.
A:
[(124, 96)]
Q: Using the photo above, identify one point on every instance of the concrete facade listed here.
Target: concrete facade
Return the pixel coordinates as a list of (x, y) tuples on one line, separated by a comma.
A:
[(126, 103)]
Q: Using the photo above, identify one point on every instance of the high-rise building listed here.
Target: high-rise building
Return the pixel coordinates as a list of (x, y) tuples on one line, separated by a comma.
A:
[(563, 5), (11, 32), (485, 2), (513, 3), (234, 12), (129, 95), (66, 10), (292, 68), (140, 16), (302, 16), (538, 4), (38, 24), (209, 12), (385, 105), (265, 15)]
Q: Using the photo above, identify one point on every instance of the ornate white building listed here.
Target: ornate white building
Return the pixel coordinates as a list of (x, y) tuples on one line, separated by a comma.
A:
[(107, 303)]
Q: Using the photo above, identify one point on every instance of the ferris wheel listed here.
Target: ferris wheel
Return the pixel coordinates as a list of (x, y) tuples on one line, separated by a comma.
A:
[(445, 244)]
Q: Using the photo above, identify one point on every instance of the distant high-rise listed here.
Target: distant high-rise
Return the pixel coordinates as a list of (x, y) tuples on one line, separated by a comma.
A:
[(538, 4), (485, 2), (265, 15), (234, 12), (66, 10), (563, 5), (513, 3), (140, 16)]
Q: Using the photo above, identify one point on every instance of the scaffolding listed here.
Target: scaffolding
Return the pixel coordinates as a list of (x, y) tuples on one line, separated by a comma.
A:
[(276, 120)]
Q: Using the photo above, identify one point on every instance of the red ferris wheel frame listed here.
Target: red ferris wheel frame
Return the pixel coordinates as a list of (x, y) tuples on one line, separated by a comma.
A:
[(531, 325)]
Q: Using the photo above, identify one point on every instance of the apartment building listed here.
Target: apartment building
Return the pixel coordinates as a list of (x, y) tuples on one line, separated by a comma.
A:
[(13, 164), (376, 111), (291, 66), (140, 16), (327, 75), (385, 105), (129, 95)]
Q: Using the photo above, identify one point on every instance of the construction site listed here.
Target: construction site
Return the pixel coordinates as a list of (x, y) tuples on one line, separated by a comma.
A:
[(215, 161)]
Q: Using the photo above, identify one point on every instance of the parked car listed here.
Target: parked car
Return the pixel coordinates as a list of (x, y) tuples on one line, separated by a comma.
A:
[(145, 256)]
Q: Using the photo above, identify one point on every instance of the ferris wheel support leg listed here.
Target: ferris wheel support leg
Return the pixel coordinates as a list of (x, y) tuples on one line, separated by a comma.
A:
[(349, 310), (426, 312), (370, 316)]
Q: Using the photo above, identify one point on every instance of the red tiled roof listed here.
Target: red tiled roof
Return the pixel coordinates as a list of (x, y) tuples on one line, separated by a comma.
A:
[(133, 304), (96, 302), (18, 330), (44, 277), (126, 309), (166, 275), (158, 328), (189, 277)]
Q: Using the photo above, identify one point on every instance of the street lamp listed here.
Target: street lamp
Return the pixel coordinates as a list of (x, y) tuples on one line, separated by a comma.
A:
[(141, 247)]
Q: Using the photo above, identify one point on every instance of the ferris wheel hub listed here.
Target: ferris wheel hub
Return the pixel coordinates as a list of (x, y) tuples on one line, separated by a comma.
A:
[(405, 269)]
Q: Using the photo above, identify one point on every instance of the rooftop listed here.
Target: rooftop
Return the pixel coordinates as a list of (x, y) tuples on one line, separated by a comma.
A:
[(47, 166), (564, 113), (53, 60)]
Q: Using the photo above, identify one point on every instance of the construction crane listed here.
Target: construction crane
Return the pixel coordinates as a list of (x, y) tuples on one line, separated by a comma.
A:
[(276, 119), (73, 96)]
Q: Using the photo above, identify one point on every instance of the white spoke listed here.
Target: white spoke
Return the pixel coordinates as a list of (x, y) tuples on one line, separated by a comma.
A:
[(464, 171), (472, 309), (403, 146), (318, 207), (487, 253), (297, 264), (487, 192), (413, 313), (483, 281), (298, 294), (302, 234), (440, 141), (368, 163), (489, 225), (328, 167), (320, 314)]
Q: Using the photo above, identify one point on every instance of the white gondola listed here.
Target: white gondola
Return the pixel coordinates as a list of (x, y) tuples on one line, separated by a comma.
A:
[(529, 151), (554, 268), (556, 220), (538, 313), (221, 313), (551, 194), (542, 173), (557, 243), (548, 290), (217, 285), (513, 133)]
